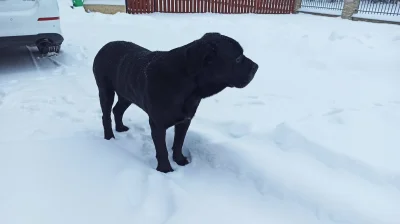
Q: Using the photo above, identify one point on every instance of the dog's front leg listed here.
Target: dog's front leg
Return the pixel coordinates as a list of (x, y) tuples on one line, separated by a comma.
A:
[(180, 133), (158, 135)]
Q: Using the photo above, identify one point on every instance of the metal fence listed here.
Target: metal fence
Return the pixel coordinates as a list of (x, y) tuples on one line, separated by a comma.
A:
[(380, 7), (211, 6), (323, 4)]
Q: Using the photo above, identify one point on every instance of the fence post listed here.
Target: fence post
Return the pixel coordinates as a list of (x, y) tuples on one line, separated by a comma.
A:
[(349, 8), (297, 5)]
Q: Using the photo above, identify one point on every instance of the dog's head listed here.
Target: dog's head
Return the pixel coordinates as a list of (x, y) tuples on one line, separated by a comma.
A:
[(215, 58)]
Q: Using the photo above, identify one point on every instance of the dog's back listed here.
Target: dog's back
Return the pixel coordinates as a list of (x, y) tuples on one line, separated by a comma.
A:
[(108, 59), (120, 67)]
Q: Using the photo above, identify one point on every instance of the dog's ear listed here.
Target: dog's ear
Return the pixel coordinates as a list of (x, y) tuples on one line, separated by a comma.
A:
[(211, 35), (200, 54)]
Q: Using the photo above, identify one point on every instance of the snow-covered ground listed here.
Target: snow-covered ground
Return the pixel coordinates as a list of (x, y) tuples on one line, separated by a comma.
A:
[(313, 139)]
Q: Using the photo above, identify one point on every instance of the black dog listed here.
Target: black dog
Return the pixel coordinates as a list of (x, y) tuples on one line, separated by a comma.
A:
[(167, 85)]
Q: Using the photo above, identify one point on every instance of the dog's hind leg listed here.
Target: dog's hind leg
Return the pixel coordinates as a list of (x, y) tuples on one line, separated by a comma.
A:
[(106, 101), (119, 110)]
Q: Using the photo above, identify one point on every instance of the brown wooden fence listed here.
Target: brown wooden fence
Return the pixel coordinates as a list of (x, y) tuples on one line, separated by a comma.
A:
[(211, 6)]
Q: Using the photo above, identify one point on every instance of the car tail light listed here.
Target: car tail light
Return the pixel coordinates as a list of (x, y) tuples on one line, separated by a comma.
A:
[(48, 18)]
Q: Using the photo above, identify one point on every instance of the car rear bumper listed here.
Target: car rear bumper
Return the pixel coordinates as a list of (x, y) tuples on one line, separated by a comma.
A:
[(30, 40)]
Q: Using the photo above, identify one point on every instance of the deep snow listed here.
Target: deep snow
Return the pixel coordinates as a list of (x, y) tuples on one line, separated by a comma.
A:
[(313, 139)]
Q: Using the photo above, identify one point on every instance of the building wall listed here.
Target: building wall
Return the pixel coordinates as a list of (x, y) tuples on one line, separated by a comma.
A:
[(106, 9)]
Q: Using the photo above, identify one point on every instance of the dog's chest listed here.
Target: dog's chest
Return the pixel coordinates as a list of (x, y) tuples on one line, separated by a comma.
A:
[(175, 113), (182, 114)]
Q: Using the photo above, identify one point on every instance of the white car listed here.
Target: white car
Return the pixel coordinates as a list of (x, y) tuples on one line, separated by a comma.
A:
[(31, 23)]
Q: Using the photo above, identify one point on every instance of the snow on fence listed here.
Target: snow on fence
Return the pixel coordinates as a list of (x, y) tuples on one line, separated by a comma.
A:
[(211, 6), (379, 7)]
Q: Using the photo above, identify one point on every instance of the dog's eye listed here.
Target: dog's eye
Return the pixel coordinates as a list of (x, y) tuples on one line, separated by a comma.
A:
[(239, 59)]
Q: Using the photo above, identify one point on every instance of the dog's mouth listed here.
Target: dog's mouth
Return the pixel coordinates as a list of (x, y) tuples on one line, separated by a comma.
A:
[(248, 78)]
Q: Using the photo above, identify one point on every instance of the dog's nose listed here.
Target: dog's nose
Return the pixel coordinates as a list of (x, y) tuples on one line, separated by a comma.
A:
[(254, 69)]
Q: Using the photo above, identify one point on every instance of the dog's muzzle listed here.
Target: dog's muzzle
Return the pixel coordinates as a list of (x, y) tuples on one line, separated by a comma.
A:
[(253, 71), (249, 76)]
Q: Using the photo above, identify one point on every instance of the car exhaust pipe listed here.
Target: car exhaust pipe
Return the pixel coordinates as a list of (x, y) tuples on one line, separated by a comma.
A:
[(46, 46)]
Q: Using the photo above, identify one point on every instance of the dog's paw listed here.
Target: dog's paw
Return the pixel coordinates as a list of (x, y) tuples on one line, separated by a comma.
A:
[(122, 128), (109, 136), (165, 169), (181, 160)]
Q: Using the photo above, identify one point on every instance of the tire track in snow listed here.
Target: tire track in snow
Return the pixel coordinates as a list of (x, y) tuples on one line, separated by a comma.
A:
[(150, 197), (141, 190), (34, 60), (220, 156), (46, 63), (51, 68), (288, 139), (383, 187), (266, 183)]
